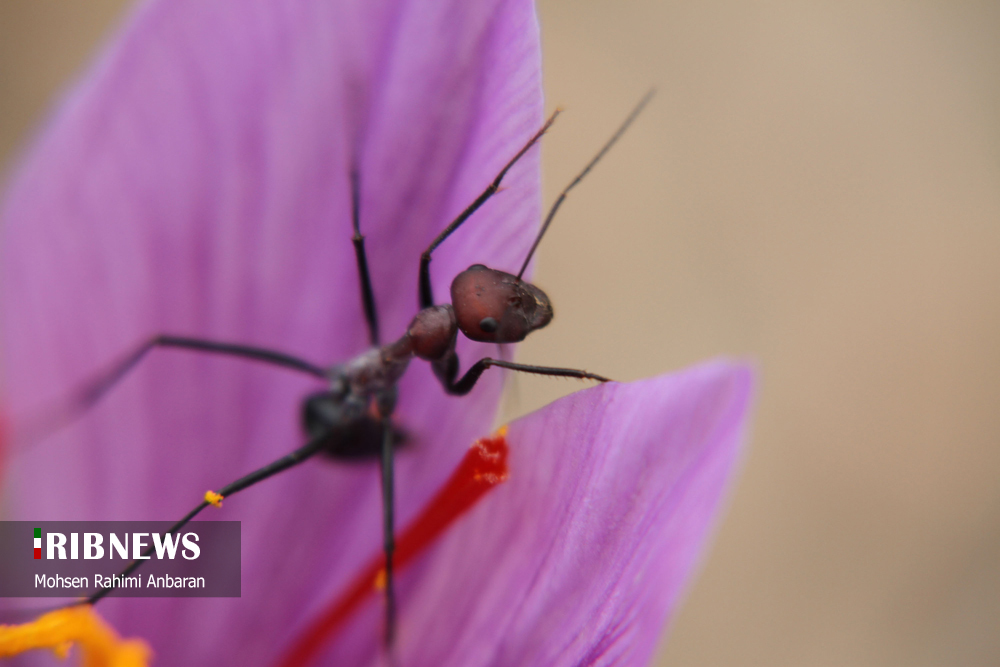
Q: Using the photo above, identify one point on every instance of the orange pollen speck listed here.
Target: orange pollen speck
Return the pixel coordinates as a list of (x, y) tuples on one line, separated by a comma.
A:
[(483, 467)]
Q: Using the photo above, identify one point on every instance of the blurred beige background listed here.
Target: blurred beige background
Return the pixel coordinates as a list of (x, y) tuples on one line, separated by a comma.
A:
[(816, 187)]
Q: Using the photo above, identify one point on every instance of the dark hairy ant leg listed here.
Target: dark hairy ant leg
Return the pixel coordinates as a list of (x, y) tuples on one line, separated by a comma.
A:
[(447, 370), (388, 531), (386, 459), (84, 398), (300, 455), (367, 294), (426, 294)]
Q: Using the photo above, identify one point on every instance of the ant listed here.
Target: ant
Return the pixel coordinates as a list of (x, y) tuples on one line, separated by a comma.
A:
[(352, 418)]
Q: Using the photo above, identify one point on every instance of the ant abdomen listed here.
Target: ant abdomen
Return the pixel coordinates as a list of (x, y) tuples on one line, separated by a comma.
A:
[(497, 307), (348, 433)]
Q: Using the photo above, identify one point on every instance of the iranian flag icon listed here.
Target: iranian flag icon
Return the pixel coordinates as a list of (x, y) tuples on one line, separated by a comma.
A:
[(38, 543)]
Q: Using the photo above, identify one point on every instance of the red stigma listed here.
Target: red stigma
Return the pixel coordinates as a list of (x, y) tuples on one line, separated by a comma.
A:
[(483, 467)]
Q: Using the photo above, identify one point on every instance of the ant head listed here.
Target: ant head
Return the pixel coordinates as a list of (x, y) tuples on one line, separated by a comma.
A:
[(496, 307)]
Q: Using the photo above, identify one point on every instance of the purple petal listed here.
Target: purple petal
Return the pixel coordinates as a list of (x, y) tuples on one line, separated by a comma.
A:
[(580, 557), (196, 182)]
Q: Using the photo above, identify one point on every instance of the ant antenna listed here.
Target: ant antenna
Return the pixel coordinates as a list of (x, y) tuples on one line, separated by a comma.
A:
[(562, 195)]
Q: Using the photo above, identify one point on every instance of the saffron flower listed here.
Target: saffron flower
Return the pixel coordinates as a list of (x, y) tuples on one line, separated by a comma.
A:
[(196, 182)]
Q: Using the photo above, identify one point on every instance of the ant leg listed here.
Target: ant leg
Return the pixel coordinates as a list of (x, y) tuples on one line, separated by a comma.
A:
[(447, 369), (91, 392), (367, 295), (426, 295), (388, 531), (284, 463)]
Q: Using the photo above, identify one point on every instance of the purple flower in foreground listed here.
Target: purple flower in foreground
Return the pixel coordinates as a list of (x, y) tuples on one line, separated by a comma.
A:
[(196, 182)]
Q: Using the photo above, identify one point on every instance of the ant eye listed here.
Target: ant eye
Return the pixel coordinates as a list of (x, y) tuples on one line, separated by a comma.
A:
[(488, 324)]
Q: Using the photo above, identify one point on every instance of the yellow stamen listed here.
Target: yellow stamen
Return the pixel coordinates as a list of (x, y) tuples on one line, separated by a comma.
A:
[(213, 498), (100, 645)]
